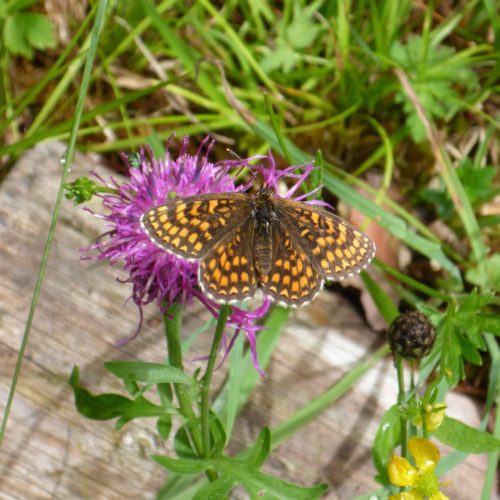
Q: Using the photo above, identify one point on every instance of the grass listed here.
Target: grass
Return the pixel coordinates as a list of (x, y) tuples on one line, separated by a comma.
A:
[(399, 92)]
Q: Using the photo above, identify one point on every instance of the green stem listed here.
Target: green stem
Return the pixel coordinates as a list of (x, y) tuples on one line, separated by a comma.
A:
[(224, 313), (172, 320), (401, 404), (99, 20)]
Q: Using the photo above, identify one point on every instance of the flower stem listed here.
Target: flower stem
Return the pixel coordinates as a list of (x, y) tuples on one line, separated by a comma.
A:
[(401, 404), (172, 320), (205, 387)]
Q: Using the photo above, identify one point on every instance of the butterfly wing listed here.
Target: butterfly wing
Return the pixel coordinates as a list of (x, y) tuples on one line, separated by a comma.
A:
[(191, 226), (292, 280), (337, 248), (227, 272)]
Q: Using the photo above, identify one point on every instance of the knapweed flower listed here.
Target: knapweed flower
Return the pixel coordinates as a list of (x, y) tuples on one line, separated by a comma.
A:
[(155, 274), (421, 478)]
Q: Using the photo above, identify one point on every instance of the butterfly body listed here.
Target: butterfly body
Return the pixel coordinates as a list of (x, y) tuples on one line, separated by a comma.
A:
[(246, 242)]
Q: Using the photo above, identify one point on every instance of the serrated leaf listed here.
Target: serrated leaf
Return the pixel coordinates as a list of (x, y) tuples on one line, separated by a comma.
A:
[(38, 30), (14, 39), (434, 81), (462, 437), (150, 373), (26, 30)]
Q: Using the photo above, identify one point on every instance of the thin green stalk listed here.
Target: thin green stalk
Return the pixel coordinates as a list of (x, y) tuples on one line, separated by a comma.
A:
[(401, 403), (99, 20), (412, 282), (224, 313), (424, 51), (172, 321)]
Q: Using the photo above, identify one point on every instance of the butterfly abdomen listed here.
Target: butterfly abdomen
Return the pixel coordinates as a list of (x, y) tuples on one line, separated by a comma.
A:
[(263, 215)]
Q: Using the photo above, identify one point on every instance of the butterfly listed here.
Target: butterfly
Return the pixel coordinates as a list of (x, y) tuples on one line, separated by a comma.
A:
[(245, 242)]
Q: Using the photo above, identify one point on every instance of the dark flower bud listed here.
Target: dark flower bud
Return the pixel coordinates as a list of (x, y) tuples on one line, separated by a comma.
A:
[(411, 335)]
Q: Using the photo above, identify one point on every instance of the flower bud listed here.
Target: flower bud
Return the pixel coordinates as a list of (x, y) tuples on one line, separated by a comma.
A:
[(411, 335)]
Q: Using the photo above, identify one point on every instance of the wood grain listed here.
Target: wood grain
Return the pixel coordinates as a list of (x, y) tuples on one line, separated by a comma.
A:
[(50, 451)]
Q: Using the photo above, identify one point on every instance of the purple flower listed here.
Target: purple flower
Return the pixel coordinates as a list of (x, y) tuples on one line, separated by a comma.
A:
[(156, 275)]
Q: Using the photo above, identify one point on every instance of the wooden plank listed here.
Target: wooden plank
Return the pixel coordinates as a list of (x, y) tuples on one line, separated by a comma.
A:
[(52, 452)]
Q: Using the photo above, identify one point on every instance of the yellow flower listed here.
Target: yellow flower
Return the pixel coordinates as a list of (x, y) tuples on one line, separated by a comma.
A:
[(422, 478)]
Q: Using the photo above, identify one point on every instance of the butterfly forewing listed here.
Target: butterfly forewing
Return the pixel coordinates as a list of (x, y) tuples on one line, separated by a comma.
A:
[(227, 273), (337, 249), (292, 280), (191, 226)]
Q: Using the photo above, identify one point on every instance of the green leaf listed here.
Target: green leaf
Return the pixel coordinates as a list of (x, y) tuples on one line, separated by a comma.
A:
[(165, 392), (182, 465), (14, 39), (219, 489), (469, 351), (302, 31), (383, 302), (217, 435), (182, 444), (488, 323), (150, 373), (164, 426), (435, 80), (39, 31), (256, 455), (462, 437), (388, 436), (108, 406), (243, 471), (492, 273), (26, 30), (283, 57)]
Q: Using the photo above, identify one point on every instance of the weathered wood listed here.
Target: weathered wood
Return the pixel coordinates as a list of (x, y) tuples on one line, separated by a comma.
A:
[(50, 451)]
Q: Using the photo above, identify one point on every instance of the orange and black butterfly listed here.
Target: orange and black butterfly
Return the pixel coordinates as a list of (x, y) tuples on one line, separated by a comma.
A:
[(247, 242)]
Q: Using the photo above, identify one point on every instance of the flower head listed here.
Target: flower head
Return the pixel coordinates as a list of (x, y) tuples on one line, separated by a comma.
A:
[(156, 275), (421, 478), (411, 335)]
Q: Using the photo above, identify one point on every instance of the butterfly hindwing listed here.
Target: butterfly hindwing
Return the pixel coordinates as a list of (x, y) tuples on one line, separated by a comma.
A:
[(337, 248), (292, 279), (227, 272)]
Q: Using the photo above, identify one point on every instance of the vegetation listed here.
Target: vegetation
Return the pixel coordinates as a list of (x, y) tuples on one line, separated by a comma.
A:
[(397, 104)]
